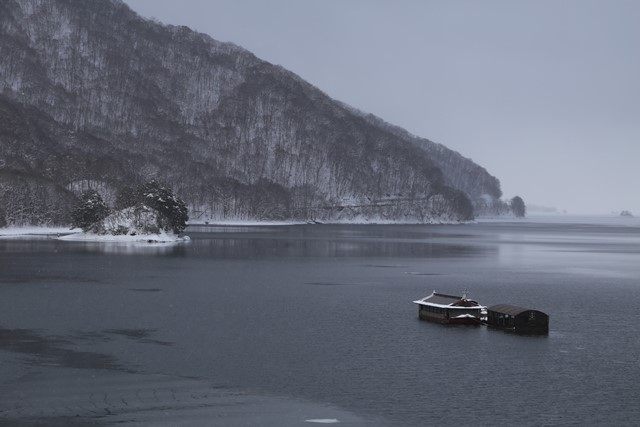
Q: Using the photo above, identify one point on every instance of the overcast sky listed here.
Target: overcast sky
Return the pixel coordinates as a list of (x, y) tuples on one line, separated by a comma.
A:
[(544, 94)]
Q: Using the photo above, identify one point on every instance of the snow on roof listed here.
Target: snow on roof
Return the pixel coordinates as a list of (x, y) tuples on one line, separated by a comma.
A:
[(439, 298), (447, 301)]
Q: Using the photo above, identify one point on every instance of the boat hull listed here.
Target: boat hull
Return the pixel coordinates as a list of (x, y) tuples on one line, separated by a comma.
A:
[(467, 320)]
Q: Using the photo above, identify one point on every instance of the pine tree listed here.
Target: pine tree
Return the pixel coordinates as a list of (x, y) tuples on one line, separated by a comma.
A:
[(162, 199), (90, 209)]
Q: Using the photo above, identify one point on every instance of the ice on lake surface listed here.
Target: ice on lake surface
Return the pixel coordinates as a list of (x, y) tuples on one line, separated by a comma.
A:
[(315, 322)]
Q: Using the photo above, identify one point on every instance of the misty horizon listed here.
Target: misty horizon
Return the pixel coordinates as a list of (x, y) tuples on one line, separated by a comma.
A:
[(540, 94)]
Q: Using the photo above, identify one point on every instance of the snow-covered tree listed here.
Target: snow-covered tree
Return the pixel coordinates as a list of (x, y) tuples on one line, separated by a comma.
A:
[(162, 199), (89, 210)]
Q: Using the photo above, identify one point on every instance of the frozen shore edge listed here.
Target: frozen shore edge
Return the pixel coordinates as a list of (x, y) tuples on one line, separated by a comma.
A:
[(36, 231), (76, 235), (232, 223), (124, 238)]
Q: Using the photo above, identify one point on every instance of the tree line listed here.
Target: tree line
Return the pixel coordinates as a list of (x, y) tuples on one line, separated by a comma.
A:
[(173, 215)]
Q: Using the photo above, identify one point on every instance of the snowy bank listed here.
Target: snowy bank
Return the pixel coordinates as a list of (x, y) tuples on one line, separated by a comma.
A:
[(242, 223), (346, 221), (35, 231), (384, 221), (125, 238)]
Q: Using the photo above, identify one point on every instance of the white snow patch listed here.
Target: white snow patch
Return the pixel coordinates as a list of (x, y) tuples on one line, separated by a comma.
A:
[(395, 222), (322, 420), (241, 223), (454, 307), (138, 238), (12, 232)]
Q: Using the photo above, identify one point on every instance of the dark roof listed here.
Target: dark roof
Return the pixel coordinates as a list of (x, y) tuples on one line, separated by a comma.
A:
[(443, 299), (513, 310)]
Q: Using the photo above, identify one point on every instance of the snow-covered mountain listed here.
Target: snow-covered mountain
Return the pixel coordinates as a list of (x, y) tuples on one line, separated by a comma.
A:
[(93, 95)]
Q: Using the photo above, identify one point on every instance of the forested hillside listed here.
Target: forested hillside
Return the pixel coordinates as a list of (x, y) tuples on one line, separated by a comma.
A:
[(94, 96)]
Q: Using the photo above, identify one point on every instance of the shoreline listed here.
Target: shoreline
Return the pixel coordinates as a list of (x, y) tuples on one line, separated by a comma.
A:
[(124, 238), (251, 223), (36, 231), (75, 234)]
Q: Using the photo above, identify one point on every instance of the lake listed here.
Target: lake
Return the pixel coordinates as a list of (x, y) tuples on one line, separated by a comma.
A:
[(286, 325)]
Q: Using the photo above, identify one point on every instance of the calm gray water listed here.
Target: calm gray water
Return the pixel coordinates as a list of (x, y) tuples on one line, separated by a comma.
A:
[(322, 315)]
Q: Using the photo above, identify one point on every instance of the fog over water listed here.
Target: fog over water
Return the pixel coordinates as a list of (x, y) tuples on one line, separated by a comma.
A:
[(543, 94)]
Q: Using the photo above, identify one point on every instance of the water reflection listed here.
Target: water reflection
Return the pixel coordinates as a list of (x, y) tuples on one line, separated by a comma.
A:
[(117, 248), (333, 241), (225, 247), (297, 241)]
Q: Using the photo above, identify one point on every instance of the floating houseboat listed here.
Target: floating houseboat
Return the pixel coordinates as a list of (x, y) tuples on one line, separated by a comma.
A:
[(517, 319), (449, 309)]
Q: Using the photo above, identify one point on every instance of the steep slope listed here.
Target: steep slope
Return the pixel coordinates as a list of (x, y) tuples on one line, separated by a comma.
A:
[(459, 171), (113, 99), (35, 150)]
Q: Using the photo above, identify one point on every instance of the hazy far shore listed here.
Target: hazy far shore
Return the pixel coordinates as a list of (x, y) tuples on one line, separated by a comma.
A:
[(75, 234)]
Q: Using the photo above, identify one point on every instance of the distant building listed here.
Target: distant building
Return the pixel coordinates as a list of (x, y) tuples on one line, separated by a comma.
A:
[(518, 319), (449, 309)]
